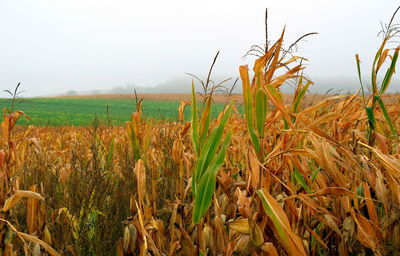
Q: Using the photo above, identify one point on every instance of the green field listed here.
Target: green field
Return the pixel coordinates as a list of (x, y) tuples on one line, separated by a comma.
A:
[(82, 111)]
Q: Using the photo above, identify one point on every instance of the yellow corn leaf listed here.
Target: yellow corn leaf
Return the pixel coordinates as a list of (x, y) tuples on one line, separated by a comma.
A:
[(31, 212), (291, 242), (322, 104), (323, 119), (366, 233), (317, 237), (269, 248), (244, 75), (334, 191), (19, 194), (256, 234), (313, 204), (181, 109), (140, 173), (36, 240), (242, 245), (254, 169), (293, 59), (275, 52), (370, 204), (240, 225), (392, 165), (382, 59), (279, 104), (261, 62), (279, 80)]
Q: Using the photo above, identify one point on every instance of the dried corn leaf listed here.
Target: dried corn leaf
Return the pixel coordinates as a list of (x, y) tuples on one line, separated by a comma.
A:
[(19, 194), (292, 242)]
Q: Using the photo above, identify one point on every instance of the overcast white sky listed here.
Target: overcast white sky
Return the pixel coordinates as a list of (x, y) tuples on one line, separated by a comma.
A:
[(52, 46)]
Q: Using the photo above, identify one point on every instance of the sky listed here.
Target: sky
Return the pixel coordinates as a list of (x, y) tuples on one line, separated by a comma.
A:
[(55, 46)]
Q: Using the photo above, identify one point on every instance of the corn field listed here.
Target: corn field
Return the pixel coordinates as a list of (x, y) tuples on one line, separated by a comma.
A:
[(280, 179)]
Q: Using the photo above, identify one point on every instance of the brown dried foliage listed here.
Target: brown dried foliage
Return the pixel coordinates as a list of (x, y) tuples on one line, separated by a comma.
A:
[(314, 183)]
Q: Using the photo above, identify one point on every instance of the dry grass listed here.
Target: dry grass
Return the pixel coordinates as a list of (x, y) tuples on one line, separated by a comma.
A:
[(336, 193)]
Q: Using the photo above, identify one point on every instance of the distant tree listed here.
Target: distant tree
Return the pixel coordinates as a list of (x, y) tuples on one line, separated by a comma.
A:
[(118, 90), (130, 88), (95, 92), (71, 93)]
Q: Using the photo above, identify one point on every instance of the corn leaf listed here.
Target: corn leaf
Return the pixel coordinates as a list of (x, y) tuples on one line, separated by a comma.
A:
[(19, 194), (194, 125), (291, 242), (207, 183)]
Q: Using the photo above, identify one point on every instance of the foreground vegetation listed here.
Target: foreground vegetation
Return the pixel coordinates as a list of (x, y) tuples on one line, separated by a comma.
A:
[(283, 180)]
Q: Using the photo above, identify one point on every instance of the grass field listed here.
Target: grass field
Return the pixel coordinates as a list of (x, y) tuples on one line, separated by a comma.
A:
[(81, 111)]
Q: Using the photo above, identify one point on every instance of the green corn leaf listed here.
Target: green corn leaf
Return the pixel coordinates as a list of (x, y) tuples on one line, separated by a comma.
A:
[(302, 181), (359, 74), (135, 144), (261, 111), (314, 173), (255, 140), (300, 97), (387, 117), (250, 126), (248, 107), (209, 149), (371, 122), (274, 215), (110, 153), (207, 183), (371, 117), (212, 143), (260, 105), (389, 73), (360, 192)]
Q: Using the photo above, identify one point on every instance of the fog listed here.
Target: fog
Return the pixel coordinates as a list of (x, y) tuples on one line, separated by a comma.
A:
[(55, 46)]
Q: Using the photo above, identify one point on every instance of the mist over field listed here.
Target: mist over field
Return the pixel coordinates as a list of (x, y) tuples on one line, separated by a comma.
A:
[(183, 86), (53, 47)]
